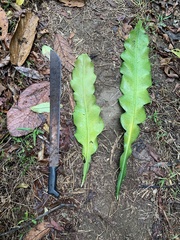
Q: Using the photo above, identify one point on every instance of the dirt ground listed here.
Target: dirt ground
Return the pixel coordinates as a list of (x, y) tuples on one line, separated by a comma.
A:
[(149, 204)]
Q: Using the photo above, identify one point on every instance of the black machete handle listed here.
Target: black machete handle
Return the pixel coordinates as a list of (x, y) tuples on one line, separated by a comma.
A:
[(52, 180)]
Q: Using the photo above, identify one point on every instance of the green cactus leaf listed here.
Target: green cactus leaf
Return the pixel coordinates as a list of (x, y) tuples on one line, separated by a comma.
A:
[(86, 113), (136, 78)]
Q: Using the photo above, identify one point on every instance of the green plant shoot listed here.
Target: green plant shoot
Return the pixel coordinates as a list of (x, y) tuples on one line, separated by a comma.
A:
[(46, 51), (136, 78), (86, 113), (41, 108)]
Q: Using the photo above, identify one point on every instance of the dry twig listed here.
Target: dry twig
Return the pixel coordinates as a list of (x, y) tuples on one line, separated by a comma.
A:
[(36, 219)]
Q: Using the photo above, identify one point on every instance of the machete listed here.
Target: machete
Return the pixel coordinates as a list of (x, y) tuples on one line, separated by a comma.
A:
[(55, 92)]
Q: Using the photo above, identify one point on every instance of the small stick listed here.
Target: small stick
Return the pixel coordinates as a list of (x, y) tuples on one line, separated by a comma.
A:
[(36, 219), (114, 148)]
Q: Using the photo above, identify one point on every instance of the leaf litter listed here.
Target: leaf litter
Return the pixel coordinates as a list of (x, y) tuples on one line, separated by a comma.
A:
[(21, 116), (61, 46), (5, 61), (38, 232), (29, 72), (3, 24)]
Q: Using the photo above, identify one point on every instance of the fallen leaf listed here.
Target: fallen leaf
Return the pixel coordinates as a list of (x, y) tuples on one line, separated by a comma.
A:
[(38, 232), (170, 73), (124, 30), (3, 24), (28, 72), (73, 3), (5, 61), (21, 116), (165, 61), (23, 38), (166, 37), (64, 51), (14, 90), (56, 226)]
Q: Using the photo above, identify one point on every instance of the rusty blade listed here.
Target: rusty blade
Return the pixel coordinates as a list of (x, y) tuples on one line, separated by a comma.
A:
[(55, 91)]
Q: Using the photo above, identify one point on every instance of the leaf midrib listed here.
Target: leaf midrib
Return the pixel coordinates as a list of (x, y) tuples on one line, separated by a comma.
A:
[(134, 104), (86, 112)]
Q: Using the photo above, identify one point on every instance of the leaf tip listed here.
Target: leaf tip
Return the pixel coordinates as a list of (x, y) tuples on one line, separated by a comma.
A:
[(117, 196)]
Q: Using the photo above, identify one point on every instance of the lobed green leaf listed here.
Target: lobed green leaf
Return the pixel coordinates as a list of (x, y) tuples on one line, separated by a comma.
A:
[(136, 78), (86, 113)]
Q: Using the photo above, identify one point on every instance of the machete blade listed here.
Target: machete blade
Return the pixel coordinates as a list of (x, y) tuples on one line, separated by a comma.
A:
[(55, 92)]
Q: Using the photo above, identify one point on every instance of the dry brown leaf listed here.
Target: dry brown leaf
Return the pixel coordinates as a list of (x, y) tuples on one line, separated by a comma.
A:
[(3, 24), (64, 51), (38, 232), (21, 116), (170, 72), (56, 226), (165, 61), (166, 37), (5, 61), (124, 31), (73, 3), (23, 38), (126, 28)]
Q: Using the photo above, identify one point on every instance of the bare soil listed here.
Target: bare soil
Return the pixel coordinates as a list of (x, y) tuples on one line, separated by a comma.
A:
[(146, 210)]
